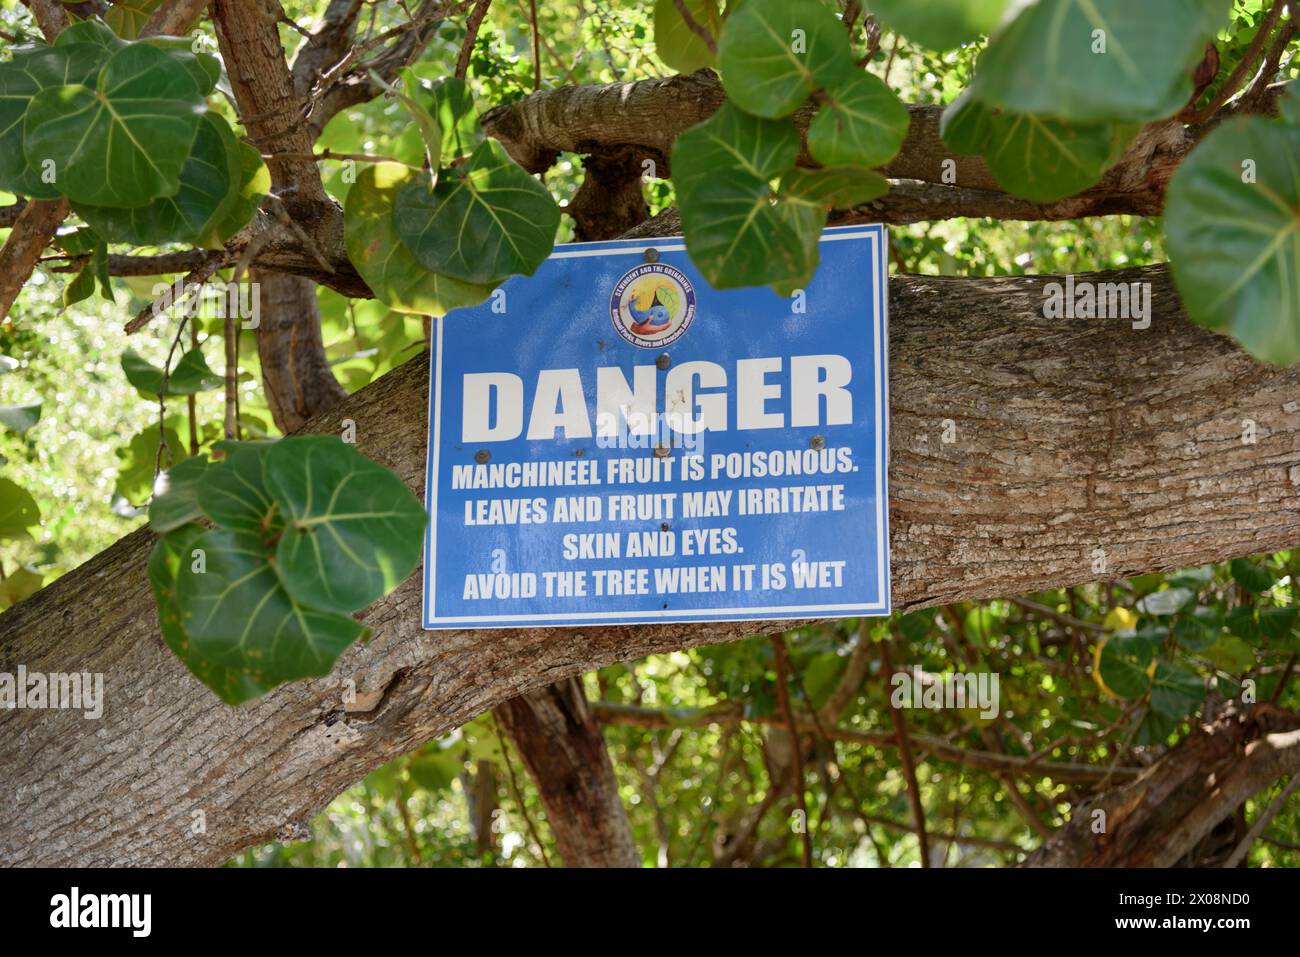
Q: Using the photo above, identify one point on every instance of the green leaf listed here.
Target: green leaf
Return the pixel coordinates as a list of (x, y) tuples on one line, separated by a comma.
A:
[(1199, 629), (676, 44), (191, 374), (863, 123), (176, 495), (20, 80), (1166, 602), (839, 187), (91, 31), (734, 232), (353, 531), (481, 223), (1277, 623), (128, 17), (79, 287), (172, 552), (1250, 575), (382, 259), (1232, 224), (204, 68), (20, 584), (1176, 690), (238, 615), (123, 142), (456, 116), (1051, 60), (209, 188), (1241, 622), (254, 184), (1231, 654), (774, 53), (732, 139), (140, 460), (429, 129), (1124, 663), (737, 237), (18, 511), (939, 24), (435, 772), (20, 417), (1045, 159), (233, 491), (966, 125)]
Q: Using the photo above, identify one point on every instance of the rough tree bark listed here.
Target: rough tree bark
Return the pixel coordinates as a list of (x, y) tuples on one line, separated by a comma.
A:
[(562, 748), (1072, 437)]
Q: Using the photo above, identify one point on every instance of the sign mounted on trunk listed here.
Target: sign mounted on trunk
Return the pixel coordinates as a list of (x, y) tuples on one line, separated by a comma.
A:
[(613, 441)]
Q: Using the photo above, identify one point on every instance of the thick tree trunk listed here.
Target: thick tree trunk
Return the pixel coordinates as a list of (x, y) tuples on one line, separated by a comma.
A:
[(296, 376), (1082, 450), (561, 745)]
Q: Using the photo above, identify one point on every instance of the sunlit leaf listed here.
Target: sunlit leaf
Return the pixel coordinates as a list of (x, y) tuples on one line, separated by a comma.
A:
[(862, 123), (680, 47), (939, 24), (176, 495), (774, 53), (382, 259), (483, 222)]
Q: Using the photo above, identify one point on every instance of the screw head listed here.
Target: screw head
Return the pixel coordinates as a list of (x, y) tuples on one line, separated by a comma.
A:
[(664, 361), (817, 442), (651, 255), (663, 451), (482, 456)]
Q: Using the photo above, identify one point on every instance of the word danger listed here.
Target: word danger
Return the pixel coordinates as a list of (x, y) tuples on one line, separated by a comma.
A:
[(695, 397)]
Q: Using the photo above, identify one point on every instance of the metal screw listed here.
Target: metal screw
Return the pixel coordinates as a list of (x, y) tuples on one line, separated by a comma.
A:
[(818, 442), (482, 456), (663, 527), (652, 255), (662, 451), (664, 361)]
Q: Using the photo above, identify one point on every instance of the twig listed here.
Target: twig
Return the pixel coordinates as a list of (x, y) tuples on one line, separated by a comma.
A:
[(1244, 68), (905, 752), (472, 24), (517, 794), (537, 52)]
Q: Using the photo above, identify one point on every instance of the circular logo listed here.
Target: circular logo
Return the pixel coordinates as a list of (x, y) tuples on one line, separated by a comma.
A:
[(652, 305)]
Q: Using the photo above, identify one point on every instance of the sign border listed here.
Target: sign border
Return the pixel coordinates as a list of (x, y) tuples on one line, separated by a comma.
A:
[(879, 237)]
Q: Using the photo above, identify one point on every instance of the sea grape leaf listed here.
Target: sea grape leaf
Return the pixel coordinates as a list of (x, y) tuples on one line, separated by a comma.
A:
[(862, 123), (18, 511), (233, 491), (680, 47), (1045, 159), (128, 17), (1176, 690), (1091, 61), (353, 530), (172, 551), (253, 185), (837, 187), (124, 141), (20, 80), (1232, 225), (482, 222), (774, 53), (191, 374), (238, 615), (733, 139), (140, 459), (939, 24), (176, 495), (384, 261), (209, 187)]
